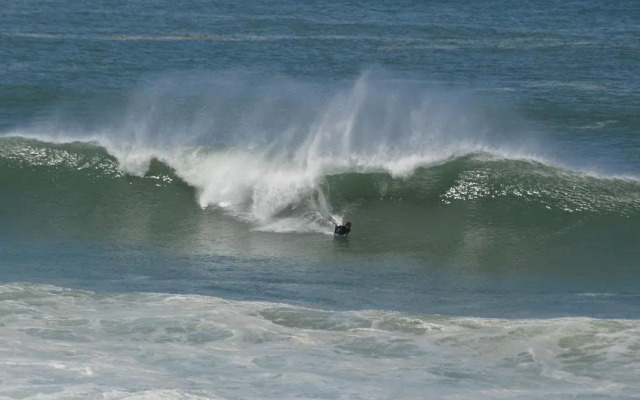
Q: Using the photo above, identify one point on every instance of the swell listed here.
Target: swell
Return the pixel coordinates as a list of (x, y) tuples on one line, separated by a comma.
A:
[(284, 155), (472, 212), (77, 175)]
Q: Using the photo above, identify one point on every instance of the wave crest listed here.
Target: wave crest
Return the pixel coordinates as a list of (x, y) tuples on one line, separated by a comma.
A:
[(264, 151)]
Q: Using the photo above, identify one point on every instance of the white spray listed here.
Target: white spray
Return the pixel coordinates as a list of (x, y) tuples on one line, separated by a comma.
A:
[(262, 150)]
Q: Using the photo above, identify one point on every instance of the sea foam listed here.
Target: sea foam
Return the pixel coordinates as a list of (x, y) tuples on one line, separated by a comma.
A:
[(63, 342)]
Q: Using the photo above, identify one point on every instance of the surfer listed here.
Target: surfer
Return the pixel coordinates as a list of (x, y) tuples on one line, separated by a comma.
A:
[(341, 230)]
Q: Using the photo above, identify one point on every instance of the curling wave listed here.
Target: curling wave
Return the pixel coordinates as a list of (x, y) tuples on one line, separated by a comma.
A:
[(268, 152)]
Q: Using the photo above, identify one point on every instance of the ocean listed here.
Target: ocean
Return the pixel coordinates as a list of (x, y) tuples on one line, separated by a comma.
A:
[(169, 169)]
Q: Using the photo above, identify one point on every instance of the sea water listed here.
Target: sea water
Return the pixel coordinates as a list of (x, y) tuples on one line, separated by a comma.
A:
[(168, 172)]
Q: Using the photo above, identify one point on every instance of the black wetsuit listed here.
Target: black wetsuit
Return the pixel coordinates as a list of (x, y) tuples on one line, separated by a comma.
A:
[(341, 230)]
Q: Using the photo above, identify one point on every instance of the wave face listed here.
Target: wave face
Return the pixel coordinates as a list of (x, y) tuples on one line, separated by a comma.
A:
[(261, 190), (430, 168), (279, 195)]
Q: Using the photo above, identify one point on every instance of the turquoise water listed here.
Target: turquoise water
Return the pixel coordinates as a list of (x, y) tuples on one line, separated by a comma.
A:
[(167, 171)]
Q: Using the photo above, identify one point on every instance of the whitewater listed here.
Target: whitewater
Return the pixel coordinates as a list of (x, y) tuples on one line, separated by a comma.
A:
[(138, 346)]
